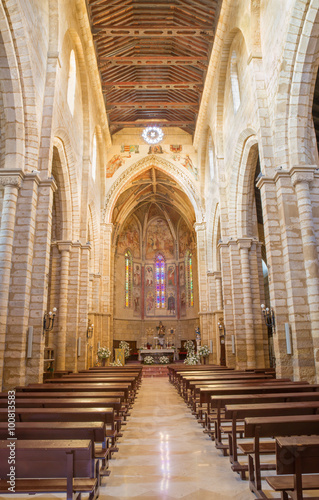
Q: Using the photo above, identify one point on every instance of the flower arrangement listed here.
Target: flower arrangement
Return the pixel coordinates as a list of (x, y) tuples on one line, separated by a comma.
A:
[(126, 346), (204, 350), (189, 346), (164, 360), (116, 363), (103, 352), (192, 359), (149, 360)]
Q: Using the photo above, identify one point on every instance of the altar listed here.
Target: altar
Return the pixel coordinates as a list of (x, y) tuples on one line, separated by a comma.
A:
[(157, 353)]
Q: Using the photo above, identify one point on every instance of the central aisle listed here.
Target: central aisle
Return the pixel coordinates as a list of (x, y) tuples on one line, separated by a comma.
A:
[(164, 454)]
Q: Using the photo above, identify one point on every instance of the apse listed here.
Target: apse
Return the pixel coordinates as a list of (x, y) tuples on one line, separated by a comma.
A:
[(155, 264)]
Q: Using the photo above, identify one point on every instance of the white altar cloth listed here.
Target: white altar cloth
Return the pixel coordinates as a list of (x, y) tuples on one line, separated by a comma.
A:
[(156, 352)]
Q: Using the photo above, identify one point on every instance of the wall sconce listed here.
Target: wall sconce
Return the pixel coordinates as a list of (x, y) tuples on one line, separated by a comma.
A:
[(90, 330), (221, 327), (48, 321), (269, 316)]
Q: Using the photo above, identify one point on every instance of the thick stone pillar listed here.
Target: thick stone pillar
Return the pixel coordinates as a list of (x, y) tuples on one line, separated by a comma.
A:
[(301, 179), (244, 245), (11, 180), (71, 352), (219, 291), (64, 248), (83, 305), (200, 228), (107, 286)]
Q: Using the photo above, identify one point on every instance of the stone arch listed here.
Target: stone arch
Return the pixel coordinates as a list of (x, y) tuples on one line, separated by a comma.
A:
[(239, 158), (225, 58), (11, 89), (181, 177), (62, 143), (295, 95), (245, 191)]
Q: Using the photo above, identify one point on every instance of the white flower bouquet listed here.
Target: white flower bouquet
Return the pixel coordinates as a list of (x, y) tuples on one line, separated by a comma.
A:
[(204, 351), (192, 359), (126, 346), (164, 360), (116, 363), (148, 360), (189, 346), (103, 352)]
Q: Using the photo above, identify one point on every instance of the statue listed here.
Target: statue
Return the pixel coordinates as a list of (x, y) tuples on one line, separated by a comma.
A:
[(161, 333)]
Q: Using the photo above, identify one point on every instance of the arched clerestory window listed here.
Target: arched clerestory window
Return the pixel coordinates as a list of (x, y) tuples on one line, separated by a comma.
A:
[(234, 81), (189, 279), (160, 282), (128, 278), (71, 82)]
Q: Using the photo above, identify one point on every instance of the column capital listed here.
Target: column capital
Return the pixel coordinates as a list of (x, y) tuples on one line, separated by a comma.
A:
[(302, 174), (108, 227), (200, 226), (245, 242), (217, 275), (11, 177), (49, 182), (64, 246)]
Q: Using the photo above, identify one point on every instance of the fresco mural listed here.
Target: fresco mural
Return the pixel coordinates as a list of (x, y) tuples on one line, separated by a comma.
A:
[(136, 274), (171, 307), (159, 239), (148, 275), (182, 274), (171, 281), (137, 301), (183, 302), (150, 303), (130, 238), (185, 239)]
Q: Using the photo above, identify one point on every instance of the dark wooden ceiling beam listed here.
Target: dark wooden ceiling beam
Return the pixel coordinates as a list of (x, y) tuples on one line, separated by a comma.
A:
[(152, 105), (146, 123), (154, 85), (152, 32)]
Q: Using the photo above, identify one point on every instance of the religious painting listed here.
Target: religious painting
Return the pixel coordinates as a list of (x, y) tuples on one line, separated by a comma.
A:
[(148, 275), (188, 163), (182, 274), (183, 301), (159, 239), (171, 302), (130, 149), (176, 148), (185, 239), (115, 163), (137, 274), (154, 150), (150, 303), (136, 301), (171, 275), (130, 238)]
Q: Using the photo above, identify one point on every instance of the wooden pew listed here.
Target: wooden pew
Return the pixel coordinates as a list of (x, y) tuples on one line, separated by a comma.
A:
[(94, 431), (296, 456), (130, 381), (51, 466), (239, 412), (269, 427)]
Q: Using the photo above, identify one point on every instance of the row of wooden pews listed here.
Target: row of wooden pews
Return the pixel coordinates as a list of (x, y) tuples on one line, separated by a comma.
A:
[(64, 431), (254, 415)]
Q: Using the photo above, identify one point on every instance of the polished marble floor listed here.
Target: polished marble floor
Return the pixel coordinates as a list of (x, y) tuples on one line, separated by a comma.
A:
[(165, 455)]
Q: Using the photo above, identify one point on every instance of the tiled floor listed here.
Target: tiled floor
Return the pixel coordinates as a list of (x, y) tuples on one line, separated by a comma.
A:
[(165, 455)]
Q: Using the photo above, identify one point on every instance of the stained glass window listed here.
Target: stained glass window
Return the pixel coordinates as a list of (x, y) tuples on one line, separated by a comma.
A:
[(160, 282), (128, 279), (189, 279)]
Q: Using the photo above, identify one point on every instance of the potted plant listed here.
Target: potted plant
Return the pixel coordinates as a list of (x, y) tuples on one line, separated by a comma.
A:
[(103, 354), (192, 359), (164, 360), (126, 346), (204, 352), (149, 360)]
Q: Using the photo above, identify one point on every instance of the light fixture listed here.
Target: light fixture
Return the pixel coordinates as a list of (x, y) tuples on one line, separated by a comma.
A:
[(48, 320), (90, 329), (221, 327), (152, 135), (269, 316)]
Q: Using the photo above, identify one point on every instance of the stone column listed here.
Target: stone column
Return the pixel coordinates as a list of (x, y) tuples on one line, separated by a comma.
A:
[(64, 248), (107, 286), (301, 179), (218, 288), (244, 245), (200, 228), (83, 305), (11, 180)]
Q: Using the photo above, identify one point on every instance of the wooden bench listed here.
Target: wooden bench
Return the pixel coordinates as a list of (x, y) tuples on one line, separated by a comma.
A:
[(95, 431), (296, 456), (51, 466), (269, 427), (238, 412)]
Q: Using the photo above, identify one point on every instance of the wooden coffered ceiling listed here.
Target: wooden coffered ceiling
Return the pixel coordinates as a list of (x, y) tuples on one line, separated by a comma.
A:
[(153, 57)]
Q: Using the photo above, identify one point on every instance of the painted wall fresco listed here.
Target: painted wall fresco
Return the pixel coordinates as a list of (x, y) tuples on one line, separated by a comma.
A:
[(185, 239), (159, 239), (130, 238)]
